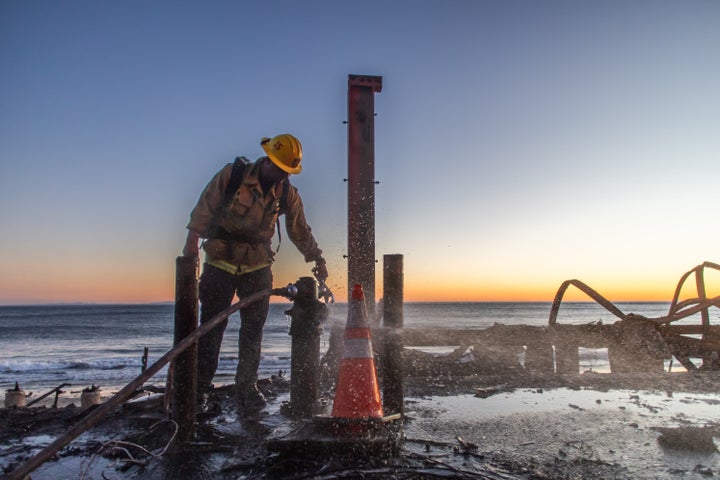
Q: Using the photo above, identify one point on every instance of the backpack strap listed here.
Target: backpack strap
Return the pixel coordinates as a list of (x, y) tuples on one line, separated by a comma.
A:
[(282, 209), (236, 177), (284, 196)]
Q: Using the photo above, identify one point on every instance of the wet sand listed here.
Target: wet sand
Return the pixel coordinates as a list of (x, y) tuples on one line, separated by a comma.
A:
[(562, 433), (661, 426)]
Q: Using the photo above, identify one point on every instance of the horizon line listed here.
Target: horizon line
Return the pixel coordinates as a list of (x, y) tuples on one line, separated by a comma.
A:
[(170, 302)]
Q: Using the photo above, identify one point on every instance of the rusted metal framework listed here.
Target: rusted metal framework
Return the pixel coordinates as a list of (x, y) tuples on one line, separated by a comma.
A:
[(683, 340)]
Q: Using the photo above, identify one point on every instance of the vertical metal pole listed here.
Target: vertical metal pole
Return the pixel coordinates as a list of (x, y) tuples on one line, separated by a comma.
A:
[(143, 367), (361, 184), (184, 384), (393, 320)]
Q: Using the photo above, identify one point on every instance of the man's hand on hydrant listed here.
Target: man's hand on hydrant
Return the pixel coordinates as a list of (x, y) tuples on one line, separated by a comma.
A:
[(320, 270)]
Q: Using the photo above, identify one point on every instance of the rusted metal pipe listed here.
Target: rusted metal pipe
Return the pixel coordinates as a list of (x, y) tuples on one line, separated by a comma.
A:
[(699, 271), (589, 292), (361, 184), (184, 384), (94, 417), (391, 360)]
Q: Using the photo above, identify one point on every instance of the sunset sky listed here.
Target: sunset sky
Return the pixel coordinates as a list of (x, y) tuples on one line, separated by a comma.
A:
[(518, 143)]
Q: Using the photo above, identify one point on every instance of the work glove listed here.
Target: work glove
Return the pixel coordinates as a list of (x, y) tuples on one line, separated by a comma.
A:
[(191, 245), (320, 270)]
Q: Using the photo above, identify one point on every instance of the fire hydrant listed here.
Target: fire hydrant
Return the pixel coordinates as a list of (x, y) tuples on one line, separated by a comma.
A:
[(307, 314)]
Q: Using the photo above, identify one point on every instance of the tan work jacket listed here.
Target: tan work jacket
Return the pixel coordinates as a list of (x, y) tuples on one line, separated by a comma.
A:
[(249, 220)]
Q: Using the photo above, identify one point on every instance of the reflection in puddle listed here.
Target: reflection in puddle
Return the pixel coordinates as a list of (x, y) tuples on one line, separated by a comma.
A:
[(695, 407), (594, 360)]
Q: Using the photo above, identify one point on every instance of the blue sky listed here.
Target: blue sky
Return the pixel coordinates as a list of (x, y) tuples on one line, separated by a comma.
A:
[(518, 143)]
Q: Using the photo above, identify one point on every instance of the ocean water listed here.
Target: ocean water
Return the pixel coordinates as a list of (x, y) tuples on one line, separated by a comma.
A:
[(42, 347)]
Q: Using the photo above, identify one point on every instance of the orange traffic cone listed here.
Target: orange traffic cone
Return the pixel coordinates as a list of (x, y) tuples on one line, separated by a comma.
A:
[(357, 395)]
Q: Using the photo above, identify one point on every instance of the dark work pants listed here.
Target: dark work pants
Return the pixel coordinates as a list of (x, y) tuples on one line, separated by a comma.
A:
[(216, 292)]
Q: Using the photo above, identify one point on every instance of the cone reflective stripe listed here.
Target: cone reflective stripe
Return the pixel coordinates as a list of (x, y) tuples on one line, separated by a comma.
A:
[(357, 394), (357, 348)]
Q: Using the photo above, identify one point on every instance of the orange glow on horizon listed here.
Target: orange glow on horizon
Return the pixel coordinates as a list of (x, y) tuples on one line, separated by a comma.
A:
[(147, 286), (160, 288), (136, 293), (531, 294)]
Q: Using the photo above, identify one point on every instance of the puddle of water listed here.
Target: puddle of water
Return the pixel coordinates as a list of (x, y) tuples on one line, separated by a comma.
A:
[(693, 407), (35, 441)]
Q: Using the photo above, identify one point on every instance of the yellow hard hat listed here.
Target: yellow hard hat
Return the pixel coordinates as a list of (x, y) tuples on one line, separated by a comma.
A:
[(285, 151)]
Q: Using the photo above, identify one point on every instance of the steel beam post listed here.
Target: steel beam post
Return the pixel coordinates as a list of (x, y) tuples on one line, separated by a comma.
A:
[(361, 184)]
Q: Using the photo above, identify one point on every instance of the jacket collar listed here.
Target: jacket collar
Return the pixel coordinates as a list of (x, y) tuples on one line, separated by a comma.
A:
[(252, 180)]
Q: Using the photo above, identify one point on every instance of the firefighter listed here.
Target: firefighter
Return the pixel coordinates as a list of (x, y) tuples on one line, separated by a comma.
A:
[(236, 216)]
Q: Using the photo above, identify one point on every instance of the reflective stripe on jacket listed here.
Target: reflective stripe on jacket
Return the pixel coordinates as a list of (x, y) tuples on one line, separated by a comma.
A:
[(249, 220)]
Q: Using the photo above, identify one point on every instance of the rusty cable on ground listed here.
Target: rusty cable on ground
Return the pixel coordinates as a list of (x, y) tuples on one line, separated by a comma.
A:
[(121, 444)]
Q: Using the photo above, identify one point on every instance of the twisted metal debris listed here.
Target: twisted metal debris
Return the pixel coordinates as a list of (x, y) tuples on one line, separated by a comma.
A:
[(684, 340)]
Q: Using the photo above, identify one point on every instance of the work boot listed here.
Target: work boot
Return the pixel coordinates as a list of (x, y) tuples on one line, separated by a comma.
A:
[(251, 399), (204, 390), (205, 387)]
